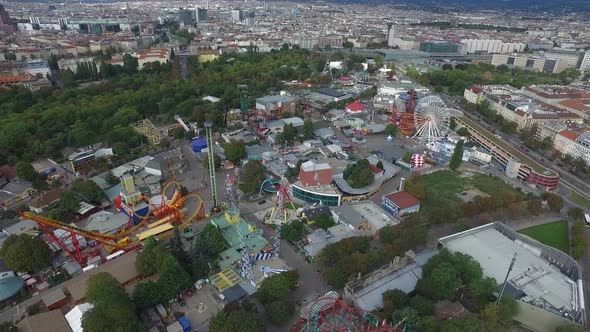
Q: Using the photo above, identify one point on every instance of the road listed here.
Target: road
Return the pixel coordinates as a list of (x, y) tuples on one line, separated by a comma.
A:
[(183, 57), (311, 283), (566, 178)]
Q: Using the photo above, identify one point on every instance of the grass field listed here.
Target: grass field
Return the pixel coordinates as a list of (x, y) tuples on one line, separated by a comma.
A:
[(491, 185), (554, 234), (443, 187), (581, 200)]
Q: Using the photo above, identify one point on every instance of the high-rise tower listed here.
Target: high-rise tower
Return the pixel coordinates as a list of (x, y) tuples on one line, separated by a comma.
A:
[(6, 24), (391, 35)]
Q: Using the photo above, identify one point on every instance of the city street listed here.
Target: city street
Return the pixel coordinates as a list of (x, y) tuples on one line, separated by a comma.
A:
[(311, 283), (566, 178)]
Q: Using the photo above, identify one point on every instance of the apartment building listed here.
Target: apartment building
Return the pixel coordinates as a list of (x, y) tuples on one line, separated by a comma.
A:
[(517, 106), (161, 55), (536, 63), (574, 143), (585, 64), (491, 46)]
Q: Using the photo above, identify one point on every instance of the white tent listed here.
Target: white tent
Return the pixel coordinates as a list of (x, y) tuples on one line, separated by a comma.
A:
[(74, 317)]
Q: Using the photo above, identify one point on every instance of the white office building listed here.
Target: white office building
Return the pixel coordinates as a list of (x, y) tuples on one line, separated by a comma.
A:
[(492, 46), (391, 35)]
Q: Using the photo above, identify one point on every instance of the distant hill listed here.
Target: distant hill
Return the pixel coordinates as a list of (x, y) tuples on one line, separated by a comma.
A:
[(533, 6), (525, 5)]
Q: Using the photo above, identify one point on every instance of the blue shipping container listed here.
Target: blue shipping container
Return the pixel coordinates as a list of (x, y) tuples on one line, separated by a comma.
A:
[(186, 325)]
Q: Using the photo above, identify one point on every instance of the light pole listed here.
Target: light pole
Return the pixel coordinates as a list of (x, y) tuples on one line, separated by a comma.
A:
[(506, 279)]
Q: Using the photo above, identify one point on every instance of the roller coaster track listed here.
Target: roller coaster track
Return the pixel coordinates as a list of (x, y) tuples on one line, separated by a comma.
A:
[(269, 186), (117, 240)]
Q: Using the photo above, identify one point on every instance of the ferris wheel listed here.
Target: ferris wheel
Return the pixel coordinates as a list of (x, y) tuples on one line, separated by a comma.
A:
[(431, 119)]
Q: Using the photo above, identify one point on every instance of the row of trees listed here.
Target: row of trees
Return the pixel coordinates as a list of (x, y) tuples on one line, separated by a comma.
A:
[(483, 108), (455, 81), (579, 241), (457, 157), (87, 71)]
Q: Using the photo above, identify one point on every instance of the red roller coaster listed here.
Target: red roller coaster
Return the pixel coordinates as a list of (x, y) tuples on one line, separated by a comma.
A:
[(330, 313), (158, 222)]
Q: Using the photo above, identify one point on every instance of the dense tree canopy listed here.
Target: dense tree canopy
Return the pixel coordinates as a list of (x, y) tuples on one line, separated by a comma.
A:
[(394, 299), (149, 260), (173, 278), (277, 286), (89, 190), (324, 221), (235, 150), (147, 294), (279, 312), (42, 123), (359, 174), (292, 232), (288, 135), (253, 175), (444, 273), (455, 81), (112, 309), (22, 253), (307, 128), (351, 256), (236, 320)]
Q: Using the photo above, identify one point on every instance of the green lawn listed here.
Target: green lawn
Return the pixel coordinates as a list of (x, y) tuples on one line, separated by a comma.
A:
[(491, 185), (442, 188), (554, 234), (581, 200)]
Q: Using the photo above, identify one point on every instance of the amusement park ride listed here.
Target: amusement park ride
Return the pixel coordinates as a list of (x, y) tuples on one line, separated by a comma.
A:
[(402, 114), (232, 215), (426, 119), (152, 219), (330, 313), (280, 215)]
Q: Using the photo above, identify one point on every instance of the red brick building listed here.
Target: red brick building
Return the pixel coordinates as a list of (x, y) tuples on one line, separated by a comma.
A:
[(312, 174)]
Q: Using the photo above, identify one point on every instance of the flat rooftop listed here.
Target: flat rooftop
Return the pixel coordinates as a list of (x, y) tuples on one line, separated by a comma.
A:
[(532, 274), (515, 153), (374, 214), (371, 297)]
